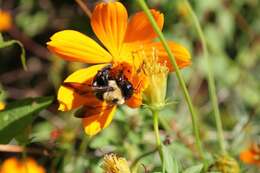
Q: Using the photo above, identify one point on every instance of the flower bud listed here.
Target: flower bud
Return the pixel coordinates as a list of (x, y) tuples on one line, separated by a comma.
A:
[(157, 74)]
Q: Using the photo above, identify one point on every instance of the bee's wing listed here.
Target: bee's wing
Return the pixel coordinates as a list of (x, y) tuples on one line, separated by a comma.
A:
[(90, 110), (84, 89)]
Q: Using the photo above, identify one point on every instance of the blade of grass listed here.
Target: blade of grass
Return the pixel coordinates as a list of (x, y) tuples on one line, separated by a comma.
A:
[(178, 74), (210, 78)]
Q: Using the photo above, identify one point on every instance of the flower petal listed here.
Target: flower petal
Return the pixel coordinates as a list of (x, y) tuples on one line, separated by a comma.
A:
[(140, 83), (109, 22), (75, 46), (181, 54), (5, 21), (247, 156), (94, 124), (135, 101), (140, 29), (69, 98)]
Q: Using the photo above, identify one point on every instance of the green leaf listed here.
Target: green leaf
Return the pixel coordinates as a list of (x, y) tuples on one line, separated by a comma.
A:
[(194, 169), (1, 38), (18, 115), (171, 164), (4, 44)]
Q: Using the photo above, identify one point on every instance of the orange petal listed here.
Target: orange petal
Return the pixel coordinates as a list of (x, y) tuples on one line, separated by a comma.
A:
[(94, 124), (140, 29), (68, 98), (109, 22), (5, 21), (135, 101), (181, 54), (140, 82), (247, 157), (12, 165), (75, 46)]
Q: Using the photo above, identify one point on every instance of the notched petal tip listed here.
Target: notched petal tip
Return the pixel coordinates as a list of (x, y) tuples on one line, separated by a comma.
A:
[(94, 124), (109, 22), (139, 28)]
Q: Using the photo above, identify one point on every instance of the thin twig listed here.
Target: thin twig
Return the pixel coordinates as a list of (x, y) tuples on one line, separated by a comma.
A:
[(84, 8), (138, 159), (29, 44), (20, 149)]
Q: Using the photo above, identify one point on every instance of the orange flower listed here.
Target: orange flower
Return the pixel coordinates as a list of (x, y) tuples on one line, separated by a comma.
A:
[(12, 165), (251, 155), (121, 39), (5, 20), (2, 105)]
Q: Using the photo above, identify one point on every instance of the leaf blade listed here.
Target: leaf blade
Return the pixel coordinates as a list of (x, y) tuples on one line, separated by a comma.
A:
[(18, 115)]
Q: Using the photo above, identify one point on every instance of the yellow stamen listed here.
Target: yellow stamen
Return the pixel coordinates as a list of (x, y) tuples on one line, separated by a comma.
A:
[(157, 74), (114, 164)]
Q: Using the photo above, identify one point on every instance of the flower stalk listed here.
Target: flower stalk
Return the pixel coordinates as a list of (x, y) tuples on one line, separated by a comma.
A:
[(157, 135), (210, 78), (143, 5)]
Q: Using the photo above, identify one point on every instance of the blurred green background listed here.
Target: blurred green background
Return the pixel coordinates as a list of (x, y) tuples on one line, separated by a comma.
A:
[(232, 30)]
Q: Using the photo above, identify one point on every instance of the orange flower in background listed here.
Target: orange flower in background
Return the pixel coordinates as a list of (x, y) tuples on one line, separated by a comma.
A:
[(121, 39), (2, 105), (251, 155), (5, 20), (12, 165)]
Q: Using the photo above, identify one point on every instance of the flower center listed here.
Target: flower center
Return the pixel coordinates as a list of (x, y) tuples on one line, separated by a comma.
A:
[(112, 86), (157, 74)]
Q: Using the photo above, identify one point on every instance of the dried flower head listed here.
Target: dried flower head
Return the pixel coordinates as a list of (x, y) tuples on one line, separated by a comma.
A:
[(114, 164)]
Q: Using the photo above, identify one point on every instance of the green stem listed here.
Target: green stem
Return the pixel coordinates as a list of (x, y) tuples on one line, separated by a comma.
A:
[(210, 78), (178, 74), (157, 135), (4, 44), (83, 146), (133, 166)]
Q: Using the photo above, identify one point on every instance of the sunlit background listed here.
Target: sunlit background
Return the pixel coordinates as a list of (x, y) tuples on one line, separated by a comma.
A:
[(232, 30)]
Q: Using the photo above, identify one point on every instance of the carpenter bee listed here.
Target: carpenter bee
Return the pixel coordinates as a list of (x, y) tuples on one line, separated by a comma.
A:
[(112, 88)]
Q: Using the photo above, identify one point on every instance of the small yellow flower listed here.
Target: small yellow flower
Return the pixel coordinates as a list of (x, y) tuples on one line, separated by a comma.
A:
[(225, 164), (5, 21), (114, 164), (12, 165), (2, 105)]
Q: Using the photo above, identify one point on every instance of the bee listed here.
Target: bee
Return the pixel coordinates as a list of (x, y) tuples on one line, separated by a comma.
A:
[(113, 88)]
